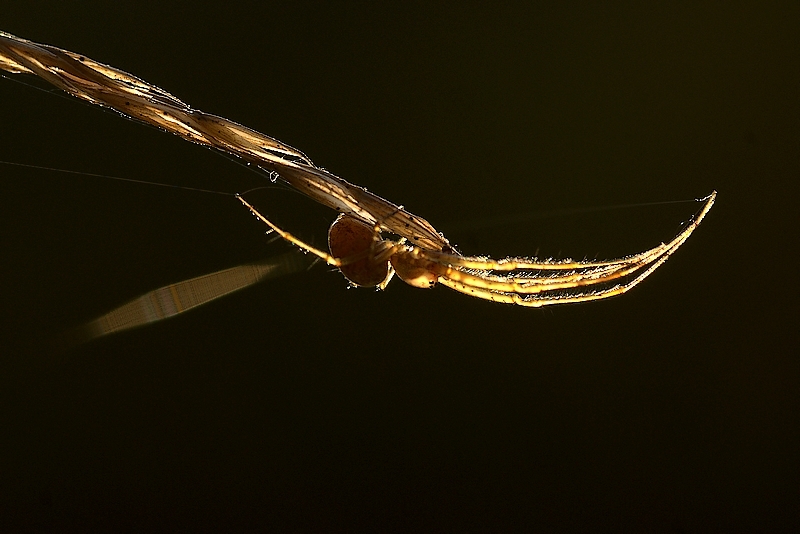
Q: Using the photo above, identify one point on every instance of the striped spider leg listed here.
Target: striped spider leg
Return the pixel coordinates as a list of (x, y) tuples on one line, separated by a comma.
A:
[(367, 260)]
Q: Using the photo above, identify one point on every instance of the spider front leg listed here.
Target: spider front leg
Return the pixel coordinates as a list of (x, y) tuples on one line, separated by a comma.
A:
[(551, 284)]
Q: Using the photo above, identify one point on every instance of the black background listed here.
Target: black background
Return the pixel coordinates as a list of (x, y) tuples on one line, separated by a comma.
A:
[(299, 404)]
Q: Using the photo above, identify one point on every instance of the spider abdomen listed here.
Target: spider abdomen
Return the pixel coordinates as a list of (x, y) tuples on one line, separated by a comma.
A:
[(356, 244)]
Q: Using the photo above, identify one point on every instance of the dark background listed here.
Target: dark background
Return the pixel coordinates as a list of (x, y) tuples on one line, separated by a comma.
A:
[(299, 404)]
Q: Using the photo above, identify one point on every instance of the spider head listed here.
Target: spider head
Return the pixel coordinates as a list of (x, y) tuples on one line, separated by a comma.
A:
[(412, 271)]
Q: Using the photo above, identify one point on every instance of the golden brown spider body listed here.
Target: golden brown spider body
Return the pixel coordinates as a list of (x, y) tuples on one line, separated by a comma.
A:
[(367, 260), (351, 238)]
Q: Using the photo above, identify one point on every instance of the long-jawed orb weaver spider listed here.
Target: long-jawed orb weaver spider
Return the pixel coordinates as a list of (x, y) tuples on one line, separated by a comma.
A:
[(367, 260), (421, 256)]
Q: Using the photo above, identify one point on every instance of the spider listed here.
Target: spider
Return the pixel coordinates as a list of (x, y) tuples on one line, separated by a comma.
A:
[(421, 256), (367, 260)]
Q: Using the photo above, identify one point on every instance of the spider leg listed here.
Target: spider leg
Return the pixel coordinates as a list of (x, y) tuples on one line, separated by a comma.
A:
[(532, 284), (545, 298), (469, 273), (327, 258), (536, 290), (554, 280), (482, 263)]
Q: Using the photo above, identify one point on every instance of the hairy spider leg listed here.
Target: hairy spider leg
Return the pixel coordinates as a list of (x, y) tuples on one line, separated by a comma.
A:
[(544, 298)]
